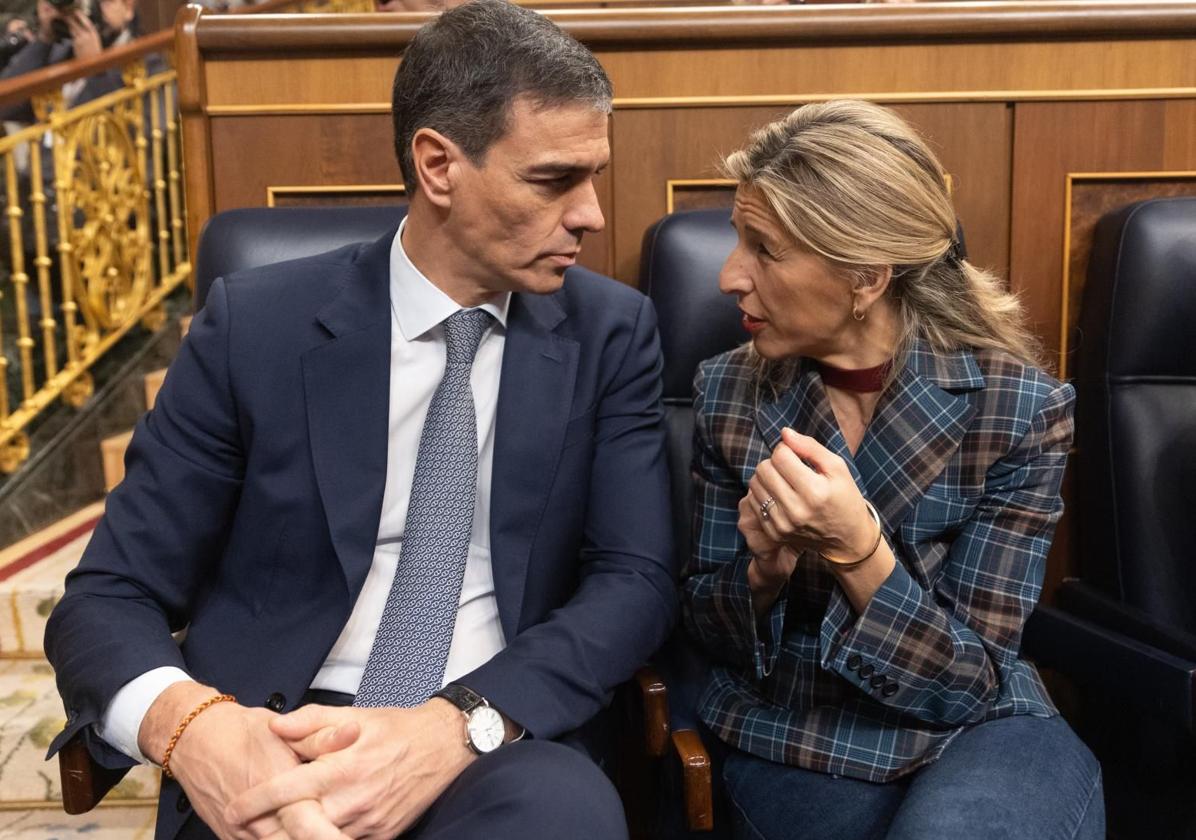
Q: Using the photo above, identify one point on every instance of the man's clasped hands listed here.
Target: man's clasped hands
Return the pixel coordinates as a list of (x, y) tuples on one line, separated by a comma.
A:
[(318, 772)]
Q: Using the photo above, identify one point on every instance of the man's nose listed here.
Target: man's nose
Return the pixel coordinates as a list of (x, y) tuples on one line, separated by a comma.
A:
[(584, 214)]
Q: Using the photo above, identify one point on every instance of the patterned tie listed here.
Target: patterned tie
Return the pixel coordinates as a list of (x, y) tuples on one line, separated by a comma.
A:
[(406, 663)]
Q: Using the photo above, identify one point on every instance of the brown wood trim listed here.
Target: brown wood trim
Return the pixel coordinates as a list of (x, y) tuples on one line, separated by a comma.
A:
[(725, 25), (20, 88), (654, 696), (195, 131), (695, 777), (266, 7)]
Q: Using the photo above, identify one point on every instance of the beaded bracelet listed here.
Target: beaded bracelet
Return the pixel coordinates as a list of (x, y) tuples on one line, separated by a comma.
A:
[(185, 722), (851, 564)]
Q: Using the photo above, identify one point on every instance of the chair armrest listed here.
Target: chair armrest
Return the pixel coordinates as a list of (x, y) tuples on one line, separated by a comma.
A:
[(654, 696), (1088, 602), (84, 782), (696, 776), (1122, 667)]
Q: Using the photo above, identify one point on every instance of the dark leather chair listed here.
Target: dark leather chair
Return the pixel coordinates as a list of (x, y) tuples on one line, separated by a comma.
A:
[(1124, 631), (680, 263), (239, 239), (233, 241)]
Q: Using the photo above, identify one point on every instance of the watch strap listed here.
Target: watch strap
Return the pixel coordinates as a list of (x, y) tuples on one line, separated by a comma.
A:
[(465, 699)]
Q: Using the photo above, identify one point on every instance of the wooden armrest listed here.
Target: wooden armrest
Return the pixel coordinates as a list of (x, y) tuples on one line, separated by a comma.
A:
[(655, 699), (84, 782), (695, 775)]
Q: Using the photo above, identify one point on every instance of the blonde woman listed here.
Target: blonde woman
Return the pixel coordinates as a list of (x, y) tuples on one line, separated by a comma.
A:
[(877, 482)]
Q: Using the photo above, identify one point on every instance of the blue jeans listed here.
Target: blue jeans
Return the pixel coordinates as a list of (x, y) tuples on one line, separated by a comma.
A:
[(1016, 778)]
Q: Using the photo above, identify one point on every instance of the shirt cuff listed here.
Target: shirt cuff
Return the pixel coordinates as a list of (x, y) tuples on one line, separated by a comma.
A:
[(123, 717)]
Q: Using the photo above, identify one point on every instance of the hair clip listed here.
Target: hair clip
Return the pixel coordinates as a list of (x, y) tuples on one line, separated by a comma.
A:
[(956, 253)]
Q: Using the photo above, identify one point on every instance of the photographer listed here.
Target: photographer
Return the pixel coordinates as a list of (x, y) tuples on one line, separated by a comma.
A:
[(68, 29), (17, 18)]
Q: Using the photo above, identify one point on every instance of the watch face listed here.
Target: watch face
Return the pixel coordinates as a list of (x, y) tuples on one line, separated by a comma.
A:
[(485, 729)]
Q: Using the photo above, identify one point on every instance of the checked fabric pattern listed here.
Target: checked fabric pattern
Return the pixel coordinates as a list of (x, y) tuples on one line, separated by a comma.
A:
[(963, 459), (406, 663)]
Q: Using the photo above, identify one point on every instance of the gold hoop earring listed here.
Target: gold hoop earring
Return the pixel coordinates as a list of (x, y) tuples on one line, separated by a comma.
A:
[(856, 313)]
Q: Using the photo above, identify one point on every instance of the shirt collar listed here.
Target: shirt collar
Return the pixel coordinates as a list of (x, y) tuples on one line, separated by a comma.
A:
[(418, 304)]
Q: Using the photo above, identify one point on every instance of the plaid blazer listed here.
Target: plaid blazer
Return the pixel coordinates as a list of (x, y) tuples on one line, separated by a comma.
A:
[(963, 460)]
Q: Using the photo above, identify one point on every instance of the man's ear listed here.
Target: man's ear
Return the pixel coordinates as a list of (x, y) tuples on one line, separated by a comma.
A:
[(434, 157)]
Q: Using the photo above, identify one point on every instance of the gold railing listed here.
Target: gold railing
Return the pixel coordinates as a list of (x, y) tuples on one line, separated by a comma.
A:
[(96, 256), (95, 233)]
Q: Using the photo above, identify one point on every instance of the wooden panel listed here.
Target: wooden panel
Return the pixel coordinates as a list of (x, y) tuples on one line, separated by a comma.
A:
[(305, 81), (700, 194), (1091, 198), (298, 150), (948, 71), (1053, 140), (383, 195), (349, 153), (944, 71), (653, 146)]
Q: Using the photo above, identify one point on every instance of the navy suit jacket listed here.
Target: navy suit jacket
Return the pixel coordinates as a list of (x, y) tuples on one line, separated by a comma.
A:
[(253, 491)]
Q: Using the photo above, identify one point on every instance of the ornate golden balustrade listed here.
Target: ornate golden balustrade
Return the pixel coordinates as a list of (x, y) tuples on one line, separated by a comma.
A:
[(95, 239), (94, 236)]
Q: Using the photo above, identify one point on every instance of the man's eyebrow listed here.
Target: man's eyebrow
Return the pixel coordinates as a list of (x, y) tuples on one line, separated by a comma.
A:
[(559, 168)]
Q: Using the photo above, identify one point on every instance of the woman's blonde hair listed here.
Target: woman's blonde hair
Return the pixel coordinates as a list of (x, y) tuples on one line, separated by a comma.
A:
[(853, 182)]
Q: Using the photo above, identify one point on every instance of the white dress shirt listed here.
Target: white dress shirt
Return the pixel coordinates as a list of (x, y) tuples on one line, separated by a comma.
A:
[(417, 360)]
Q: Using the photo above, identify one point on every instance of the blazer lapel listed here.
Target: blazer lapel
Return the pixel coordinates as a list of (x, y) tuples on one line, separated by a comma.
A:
[(347, 389), (804, 408), (916, 429), (535, 394)]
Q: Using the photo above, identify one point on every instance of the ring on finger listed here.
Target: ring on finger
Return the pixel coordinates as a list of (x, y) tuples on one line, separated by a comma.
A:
[(765, 505)]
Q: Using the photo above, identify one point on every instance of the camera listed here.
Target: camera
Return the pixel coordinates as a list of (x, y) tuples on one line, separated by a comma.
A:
[(61, 31), (11, 43)]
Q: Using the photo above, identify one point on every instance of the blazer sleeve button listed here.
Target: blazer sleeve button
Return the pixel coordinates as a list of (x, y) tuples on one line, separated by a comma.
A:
[(877, 680), (276, 702), (889, 690), (866, 671), (853, 661)]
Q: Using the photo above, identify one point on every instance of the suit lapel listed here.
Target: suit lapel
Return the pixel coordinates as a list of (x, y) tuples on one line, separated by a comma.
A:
[(917, 427), (534, 399), (347, 389)]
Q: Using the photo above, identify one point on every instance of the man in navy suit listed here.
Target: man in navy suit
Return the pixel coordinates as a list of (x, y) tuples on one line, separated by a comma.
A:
[(299, 453)]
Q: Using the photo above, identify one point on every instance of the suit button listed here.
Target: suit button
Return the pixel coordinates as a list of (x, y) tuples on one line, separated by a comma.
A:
[(183, 803), (853, 661), (889, 690), (276, 702), (877, 681), (866, 671)]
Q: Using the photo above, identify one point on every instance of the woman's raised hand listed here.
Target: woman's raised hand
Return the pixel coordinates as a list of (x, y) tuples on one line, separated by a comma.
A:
[(815, 503)]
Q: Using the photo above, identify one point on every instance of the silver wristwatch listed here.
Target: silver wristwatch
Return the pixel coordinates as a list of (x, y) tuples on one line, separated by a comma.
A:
[(485, 729)]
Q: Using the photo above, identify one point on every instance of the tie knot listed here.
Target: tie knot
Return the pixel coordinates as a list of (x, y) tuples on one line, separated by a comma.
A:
[(462, 333)]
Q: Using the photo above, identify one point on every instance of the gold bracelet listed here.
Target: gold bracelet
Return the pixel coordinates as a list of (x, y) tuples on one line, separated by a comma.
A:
[(185, 722), (851, 564)]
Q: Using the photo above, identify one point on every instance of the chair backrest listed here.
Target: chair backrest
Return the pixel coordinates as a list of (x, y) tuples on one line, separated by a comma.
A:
[(1136, 410), (254, 236), (682, 256)]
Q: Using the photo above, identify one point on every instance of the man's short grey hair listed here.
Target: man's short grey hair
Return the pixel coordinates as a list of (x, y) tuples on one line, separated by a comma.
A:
[(462, 71)]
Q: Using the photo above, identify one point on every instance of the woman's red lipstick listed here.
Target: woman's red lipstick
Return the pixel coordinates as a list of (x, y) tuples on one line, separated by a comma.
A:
[(753, 324)]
